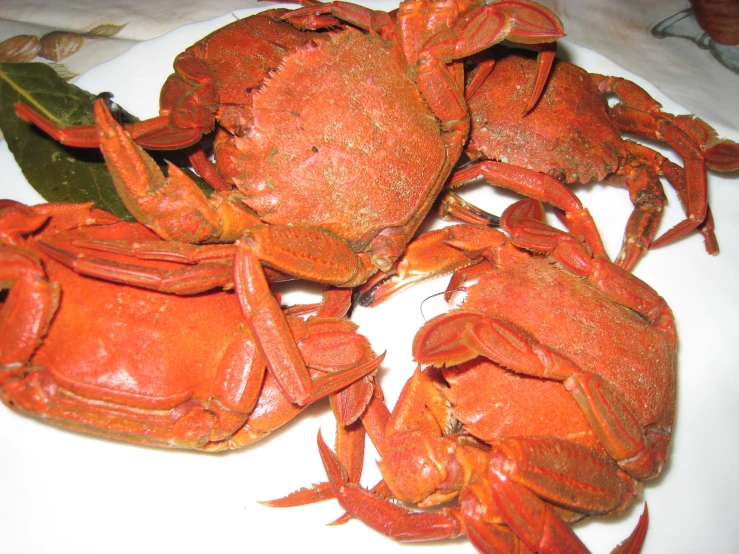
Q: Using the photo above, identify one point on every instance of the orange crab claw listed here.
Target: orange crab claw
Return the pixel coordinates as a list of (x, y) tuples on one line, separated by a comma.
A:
[(380, 514)]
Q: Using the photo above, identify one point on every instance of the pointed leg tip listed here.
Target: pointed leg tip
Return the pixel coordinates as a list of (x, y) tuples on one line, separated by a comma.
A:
[(341, 520), (335, 472), (301, 497), (634, 542), (322, 446), (106, 123), (677, 232)]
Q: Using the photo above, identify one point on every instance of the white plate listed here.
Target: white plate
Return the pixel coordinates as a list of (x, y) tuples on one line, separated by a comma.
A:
[(65, 492)]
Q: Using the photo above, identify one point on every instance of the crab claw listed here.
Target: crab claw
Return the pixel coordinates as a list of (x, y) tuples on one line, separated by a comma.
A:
[(382, 515), (481, 27)]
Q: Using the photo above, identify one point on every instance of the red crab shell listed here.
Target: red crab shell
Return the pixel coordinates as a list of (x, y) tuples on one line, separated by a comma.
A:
[(549, 396), (574, 138), (137, 365), (570, 316), (237, 57), (354, 174)]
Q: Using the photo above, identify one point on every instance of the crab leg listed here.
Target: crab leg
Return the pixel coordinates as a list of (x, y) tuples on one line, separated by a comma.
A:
[(428, 256), (693, 140), (401, 524), (460, 248), (521, 473), (524, 221), (475, 29), (503, 501), (411, 434), (273, 335), (639, 173), (481, 27), (28, 308), (175, 128), (383, 516), (540, 187), (86, 136), (349, 452), (317, 15), (178, 126), (433, 254), (190, 279), (328, 343)]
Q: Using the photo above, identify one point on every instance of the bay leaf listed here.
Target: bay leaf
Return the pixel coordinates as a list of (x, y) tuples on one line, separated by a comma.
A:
[(60, 173)]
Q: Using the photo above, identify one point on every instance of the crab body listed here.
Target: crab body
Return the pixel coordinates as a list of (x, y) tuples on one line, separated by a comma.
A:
[(568, 135), (138, 365), (554, 397), (593, 333), (573, 137), (325, 149), (596, 335)]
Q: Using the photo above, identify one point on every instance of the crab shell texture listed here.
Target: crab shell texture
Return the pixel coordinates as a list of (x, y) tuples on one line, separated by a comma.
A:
[(571, 317), (236, 58), (566, 314), (574, 137), (140, 366), (341, 141)]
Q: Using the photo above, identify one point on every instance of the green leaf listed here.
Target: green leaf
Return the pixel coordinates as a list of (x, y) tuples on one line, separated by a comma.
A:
[(58, 173), (62, 70)]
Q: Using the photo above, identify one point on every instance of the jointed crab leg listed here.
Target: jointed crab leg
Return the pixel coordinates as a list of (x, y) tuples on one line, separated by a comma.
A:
[(501, 502), (639, 173), (263, 314), (386, 517), (693, 140), (30, 304), (544, 188), (187, 279), (483, 26), (177, 210), (476, 28), (349, 450), (86, 136)]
